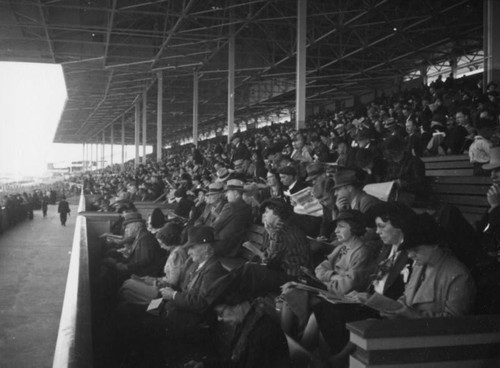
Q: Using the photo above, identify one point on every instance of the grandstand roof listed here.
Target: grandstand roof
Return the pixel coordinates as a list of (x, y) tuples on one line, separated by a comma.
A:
[(111, 50)]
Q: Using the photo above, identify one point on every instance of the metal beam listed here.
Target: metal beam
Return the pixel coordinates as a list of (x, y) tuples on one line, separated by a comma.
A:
[(108, 32), (46, 30)]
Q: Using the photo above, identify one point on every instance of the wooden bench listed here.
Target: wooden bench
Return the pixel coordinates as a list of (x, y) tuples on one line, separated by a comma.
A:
[(471, 341), (450, 180)]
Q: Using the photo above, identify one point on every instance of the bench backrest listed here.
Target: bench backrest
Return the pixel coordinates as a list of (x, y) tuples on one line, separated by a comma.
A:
[(450, 181)]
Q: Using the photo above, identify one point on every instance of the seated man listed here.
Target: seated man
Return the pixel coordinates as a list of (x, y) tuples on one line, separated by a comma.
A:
[(215, 203), (186, 307), (349, 192), (144, 257), (183, 309), (233, 221), (408, 171)]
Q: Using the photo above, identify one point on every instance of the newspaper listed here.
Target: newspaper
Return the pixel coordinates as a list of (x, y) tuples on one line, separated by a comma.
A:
[(306, 203), (154, 306), (383, 191), (382, 303), (254, 249), (326, 295)]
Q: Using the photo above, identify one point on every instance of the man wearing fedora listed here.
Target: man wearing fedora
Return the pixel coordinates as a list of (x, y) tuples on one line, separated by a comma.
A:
[(489, 226), (143, 257), (187, 307), (315, 172), (349, 192), (215, 200), (184, 310), (233, 221)]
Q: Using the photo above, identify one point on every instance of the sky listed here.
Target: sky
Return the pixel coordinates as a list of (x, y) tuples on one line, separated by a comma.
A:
[(32, 98)]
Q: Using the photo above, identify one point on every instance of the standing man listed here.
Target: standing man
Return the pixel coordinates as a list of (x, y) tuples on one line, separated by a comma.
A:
[(63, 210), (45, 205)]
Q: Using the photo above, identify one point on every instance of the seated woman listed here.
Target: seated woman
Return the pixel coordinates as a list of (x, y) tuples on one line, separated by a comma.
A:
[(440, 286), (141, 290), (347, 268)]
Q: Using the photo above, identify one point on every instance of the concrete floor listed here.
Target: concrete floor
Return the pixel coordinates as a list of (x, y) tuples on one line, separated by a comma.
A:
[(34, 261)]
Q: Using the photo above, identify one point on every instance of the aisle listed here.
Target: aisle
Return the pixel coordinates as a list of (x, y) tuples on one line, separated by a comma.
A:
[(34, 261)]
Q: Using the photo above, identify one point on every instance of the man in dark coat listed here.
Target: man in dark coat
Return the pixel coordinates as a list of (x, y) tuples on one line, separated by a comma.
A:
[(407, 170), (186, 308), (239, 150), (63, 210), (233, 221)]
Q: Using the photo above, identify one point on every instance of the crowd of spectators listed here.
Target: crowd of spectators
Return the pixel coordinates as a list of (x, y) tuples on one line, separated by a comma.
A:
[(18, 201), (213, 193)]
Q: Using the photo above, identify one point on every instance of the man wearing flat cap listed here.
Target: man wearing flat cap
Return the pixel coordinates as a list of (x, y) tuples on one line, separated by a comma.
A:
[(233, 221)]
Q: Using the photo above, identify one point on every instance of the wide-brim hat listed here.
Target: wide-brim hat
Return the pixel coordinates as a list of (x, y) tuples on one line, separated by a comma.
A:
[(238, 163), (389, 122), (424, 230), (198, 235), (494, 159), (314, 170), (215, 188), (223, 174), (235, 184), (352, 216), (345, 177)]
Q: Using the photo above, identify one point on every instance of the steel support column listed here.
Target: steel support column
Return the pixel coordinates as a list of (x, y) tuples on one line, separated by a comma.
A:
[(144, 124), (103, 148), (136, 132), (112, 144), (96, 153), (123, 140), (159, 117), (230, 86), (300, 95), (195, 108), (491, 46)]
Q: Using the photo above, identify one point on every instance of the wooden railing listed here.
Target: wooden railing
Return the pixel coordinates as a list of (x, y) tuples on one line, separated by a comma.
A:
[(74, 339), (472, 341)]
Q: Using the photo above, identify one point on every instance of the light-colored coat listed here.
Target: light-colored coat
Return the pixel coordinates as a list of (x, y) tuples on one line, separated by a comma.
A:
[(351, 271), (448, 289)]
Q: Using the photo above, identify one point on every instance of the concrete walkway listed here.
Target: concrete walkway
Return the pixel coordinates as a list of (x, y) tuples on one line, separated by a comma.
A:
[(34, 261)]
